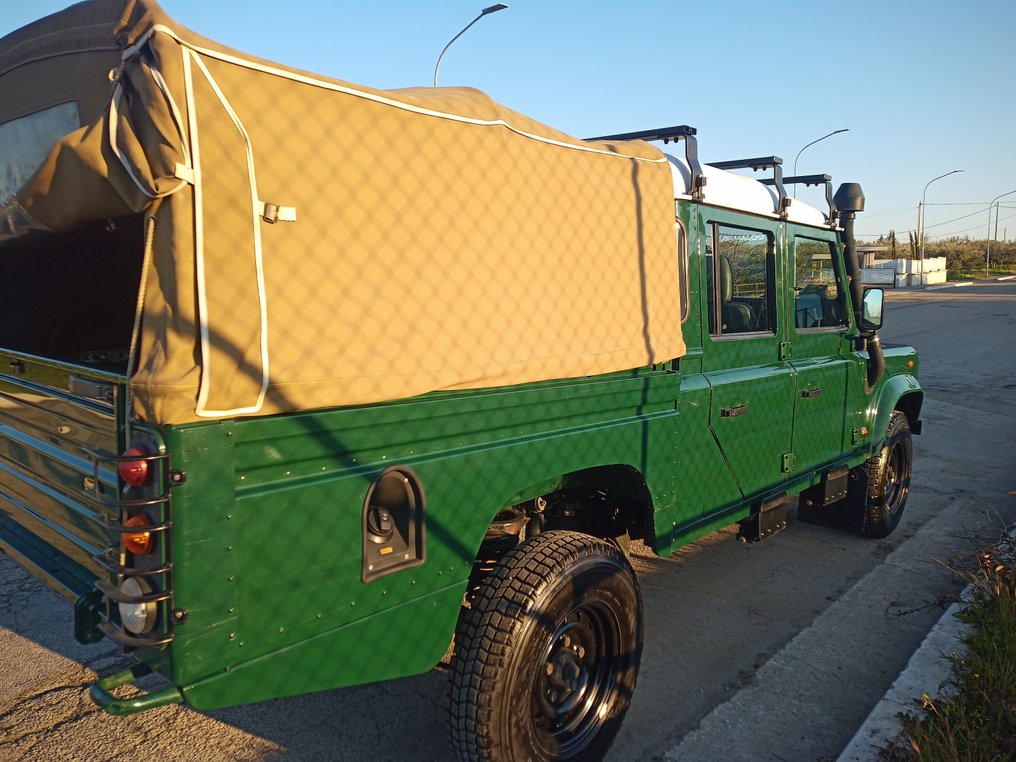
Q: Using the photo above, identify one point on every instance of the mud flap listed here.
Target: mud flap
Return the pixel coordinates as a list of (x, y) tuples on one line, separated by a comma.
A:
[(846, 514), (767, 521)]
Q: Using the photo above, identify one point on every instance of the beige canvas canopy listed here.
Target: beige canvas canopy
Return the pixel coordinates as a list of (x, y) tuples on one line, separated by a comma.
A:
[(312, 243)]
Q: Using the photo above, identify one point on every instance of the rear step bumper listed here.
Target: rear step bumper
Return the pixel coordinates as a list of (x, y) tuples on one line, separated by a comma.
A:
[(101, 693)]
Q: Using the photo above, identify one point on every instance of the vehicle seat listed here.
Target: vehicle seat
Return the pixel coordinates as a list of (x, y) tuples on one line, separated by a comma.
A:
[(737, 317)]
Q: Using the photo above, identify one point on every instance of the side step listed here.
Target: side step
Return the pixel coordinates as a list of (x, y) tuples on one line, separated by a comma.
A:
[(767, 521)]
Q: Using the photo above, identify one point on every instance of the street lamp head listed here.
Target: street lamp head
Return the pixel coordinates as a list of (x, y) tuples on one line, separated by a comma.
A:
[(494, 9)]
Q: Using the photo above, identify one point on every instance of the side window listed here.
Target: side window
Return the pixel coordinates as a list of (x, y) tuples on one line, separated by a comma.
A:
[(818, 300), (740, 267), (682, 271)]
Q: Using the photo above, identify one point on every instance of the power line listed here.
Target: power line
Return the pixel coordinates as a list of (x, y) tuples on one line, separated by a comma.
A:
[(965, 230), (870, 215), (938, 224)]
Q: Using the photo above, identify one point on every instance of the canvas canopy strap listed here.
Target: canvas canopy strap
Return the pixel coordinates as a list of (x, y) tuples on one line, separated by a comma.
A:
[(433, 239)]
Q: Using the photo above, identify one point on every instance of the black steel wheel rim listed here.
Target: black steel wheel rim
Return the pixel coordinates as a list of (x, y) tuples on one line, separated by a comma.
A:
[(897, 479), (577, 679)]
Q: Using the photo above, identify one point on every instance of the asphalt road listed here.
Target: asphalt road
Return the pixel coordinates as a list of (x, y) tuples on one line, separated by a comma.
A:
[(775, 651)]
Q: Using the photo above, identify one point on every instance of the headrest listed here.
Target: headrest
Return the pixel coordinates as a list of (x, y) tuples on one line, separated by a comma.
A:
[(726, 280)]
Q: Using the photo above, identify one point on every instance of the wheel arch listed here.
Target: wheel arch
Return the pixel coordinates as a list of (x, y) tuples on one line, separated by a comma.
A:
[(910, 405), (903, 393), (621, 485)]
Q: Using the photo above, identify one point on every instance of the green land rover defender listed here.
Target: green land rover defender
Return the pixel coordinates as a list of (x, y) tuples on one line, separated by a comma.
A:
[(305, 384)]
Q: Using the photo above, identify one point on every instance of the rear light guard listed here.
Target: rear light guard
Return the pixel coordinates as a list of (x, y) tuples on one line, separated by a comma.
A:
[(137, 597)]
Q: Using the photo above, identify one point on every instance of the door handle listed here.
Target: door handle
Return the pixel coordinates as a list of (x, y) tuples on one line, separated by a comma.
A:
[(733, 412), (811, 393)]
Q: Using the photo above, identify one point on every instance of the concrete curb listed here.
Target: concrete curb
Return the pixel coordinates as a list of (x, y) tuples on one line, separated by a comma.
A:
[(1008, 277), (950, 285), (928, 671)]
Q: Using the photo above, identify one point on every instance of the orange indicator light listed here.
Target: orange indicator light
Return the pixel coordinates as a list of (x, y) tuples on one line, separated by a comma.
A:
[(139, 544)]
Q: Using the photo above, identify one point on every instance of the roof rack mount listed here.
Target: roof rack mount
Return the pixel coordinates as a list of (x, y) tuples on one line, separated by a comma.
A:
[(826, 180), (668, 134), (775, 163)]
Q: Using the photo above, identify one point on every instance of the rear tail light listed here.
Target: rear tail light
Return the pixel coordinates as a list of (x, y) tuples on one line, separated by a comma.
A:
[(137, 470), (139, 543)]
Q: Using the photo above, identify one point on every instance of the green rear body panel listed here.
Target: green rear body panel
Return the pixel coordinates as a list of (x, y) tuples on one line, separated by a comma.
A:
[(267, 527)]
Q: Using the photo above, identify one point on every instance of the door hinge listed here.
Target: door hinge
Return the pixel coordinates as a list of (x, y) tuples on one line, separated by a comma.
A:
[(786, 350), (788, 462)]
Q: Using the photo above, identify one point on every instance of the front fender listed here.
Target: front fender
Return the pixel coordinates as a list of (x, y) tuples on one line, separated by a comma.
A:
[(902, 392)]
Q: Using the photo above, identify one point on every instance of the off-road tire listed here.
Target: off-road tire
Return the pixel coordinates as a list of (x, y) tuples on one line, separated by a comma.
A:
[(888, 480), (547, 656)]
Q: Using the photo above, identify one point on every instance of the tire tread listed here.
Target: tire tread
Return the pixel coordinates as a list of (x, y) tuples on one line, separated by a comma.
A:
[(485, 636)]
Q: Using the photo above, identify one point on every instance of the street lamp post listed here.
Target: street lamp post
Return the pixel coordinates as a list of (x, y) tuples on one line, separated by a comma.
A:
[(485, 12), (987, 236), (920, 208), (834, 132)]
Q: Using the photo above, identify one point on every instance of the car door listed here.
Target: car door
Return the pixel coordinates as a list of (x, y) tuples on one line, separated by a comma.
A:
[(821, 349), (744, 360)]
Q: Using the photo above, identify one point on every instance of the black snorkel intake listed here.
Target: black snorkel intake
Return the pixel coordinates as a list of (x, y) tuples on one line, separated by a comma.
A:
[(849, 200)]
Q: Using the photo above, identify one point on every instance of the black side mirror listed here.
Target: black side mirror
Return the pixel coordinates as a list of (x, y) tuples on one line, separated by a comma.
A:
[(871, 313)]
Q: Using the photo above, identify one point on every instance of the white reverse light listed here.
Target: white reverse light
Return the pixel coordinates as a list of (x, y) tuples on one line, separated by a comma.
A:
[(136, 617)]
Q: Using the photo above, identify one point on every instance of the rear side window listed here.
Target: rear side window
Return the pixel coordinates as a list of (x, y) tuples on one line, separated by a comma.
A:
[(682, 268), (818, 298), (740, 267), (26, 142)]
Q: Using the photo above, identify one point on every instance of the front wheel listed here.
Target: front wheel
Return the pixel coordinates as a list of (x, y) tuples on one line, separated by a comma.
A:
[(548, 654), (889, 480)]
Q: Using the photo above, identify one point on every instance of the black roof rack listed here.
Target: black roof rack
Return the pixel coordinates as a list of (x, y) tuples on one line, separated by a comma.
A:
[(775, 163), (825, 180), (668, 134)]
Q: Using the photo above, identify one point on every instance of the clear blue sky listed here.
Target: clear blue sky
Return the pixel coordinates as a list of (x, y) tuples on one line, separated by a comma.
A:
[(925, 86)]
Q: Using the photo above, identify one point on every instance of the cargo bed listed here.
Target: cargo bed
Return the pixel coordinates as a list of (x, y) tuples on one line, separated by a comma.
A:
[(54, 419)]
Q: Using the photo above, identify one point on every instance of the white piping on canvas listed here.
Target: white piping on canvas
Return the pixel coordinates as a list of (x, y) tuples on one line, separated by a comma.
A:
[(204, 388), (160, 28)]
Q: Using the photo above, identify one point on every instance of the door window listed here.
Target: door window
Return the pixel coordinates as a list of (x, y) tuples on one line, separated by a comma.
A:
[(818, 298), (740, 267)]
